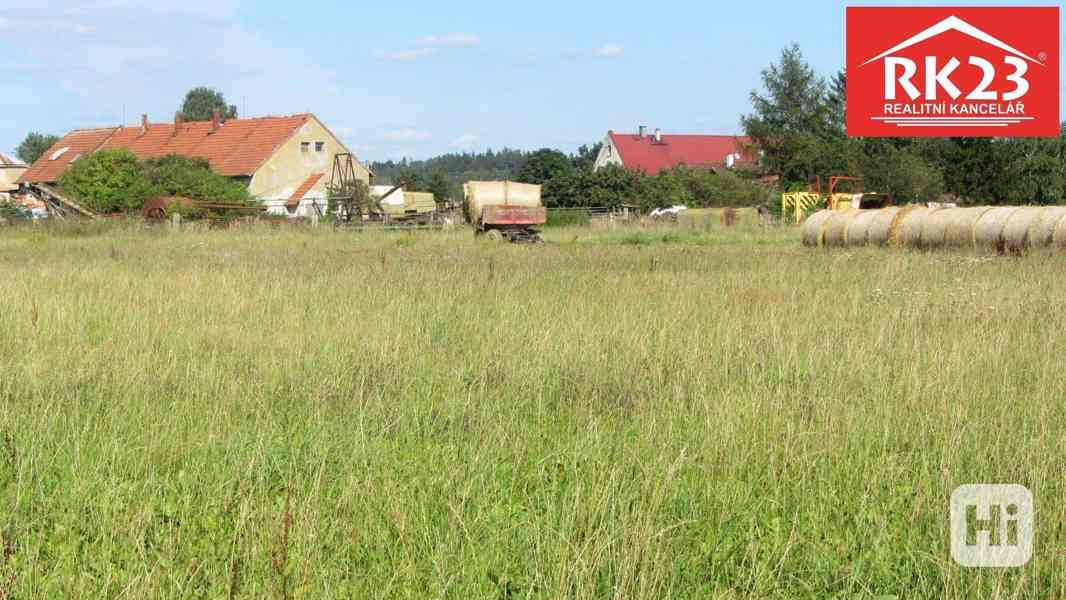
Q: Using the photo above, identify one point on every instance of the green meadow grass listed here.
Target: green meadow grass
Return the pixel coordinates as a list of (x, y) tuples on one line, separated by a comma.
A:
[(629, 414)]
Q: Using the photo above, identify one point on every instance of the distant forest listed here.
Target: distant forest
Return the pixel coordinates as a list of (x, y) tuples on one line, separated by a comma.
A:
[(457, 169)]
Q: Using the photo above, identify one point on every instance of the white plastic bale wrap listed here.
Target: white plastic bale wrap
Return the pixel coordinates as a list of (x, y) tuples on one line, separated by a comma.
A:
[(910, 226), (880, 229), (834, 232), (951, 227), (1018, 228), (988, 232), (1043, 232), (812, 228), (1003, 229), (1058, 239), (859, 228)]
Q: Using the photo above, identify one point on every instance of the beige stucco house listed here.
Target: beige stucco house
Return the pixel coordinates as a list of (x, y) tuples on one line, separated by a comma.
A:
[(285, 161), (11, 170)]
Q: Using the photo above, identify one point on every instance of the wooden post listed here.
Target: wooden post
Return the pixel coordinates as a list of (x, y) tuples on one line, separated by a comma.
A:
[(175, 222)]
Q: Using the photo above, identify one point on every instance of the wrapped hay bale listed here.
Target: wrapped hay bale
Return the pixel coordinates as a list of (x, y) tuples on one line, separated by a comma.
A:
[(952, 227), (910, 225), (1058, 239), (880, 228), (1018, 227), (812, 227), (836, 228), (1043, 232), (988, 232), (859, 228), (895, 235)]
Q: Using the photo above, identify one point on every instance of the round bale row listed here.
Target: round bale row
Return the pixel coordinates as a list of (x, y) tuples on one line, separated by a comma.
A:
[(1003, 229)]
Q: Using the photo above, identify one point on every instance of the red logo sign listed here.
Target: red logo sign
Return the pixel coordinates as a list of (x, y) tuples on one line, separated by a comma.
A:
[(953, 71)]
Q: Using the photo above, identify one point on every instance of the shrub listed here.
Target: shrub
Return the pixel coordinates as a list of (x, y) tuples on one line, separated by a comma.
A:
[(108, 181), (568, 218), (175, 175), (112, 181)]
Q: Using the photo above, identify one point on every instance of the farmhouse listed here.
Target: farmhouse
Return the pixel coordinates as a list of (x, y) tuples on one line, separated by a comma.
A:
[(11, 169), (286, 162), (653, 153)]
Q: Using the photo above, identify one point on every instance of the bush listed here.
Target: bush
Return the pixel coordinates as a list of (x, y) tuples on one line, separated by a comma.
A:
[(108, 181), (568, 218), (113, 181), (613, 187), (175, 175)]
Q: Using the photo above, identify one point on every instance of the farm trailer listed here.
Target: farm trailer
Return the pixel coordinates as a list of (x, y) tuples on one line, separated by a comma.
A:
[(505, 210)]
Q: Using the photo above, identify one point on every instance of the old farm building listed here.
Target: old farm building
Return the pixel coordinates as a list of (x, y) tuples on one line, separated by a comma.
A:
[(284, 161)]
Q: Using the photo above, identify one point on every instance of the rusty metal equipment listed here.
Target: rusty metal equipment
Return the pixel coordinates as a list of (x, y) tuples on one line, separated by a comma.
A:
[(344, 195), (156, 208)]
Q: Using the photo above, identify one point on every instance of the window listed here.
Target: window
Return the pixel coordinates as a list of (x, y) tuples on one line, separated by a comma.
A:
[(305, 147), (60, 152), (320, 146)]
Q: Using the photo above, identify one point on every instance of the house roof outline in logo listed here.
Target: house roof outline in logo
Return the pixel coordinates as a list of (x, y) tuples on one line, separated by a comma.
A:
[(953, 23)]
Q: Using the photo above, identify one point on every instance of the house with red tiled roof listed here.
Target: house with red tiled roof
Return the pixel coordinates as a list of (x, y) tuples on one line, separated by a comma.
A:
[(285, 161), (658, 151)]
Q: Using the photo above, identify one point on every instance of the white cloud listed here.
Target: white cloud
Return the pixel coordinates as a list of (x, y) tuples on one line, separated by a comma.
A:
[(430, 46), (44, 25), (451, 40), (405, 55), (609, 51), (407, 135), (464, 142)]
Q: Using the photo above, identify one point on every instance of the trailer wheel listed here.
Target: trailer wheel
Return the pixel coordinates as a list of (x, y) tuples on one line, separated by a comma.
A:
[(494, 234)]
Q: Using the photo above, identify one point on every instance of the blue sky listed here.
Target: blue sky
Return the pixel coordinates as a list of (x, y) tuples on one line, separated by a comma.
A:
[(415, 78)]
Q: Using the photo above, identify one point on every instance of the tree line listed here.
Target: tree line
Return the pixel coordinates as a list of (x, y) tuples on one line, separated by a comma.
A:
[(798, 121)]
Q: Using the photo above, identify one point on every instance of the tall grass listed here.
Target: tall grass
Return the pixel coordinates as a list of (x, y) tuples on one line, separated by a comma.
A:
[(280, 414)]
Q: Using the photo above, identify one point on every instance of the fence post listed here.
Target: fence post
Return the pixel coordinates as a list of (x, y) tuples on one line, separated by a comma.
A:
[(175, 222)]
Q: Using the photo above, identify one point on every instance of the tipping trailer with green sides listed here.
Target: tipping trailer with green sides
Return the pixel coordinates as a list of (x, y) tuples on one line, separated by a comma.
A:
[(505, 210)]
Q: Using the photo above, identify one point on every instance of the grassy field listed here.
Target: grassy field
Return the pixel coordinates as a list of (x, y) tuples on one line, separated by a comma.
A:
[(630, 414)]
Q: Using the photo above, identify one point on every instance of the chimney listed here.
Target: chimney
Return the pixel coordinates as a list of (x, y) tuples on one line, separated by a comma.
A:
[(643, 131), (216, 121), (144, 124), (658, 136), (179, 122)]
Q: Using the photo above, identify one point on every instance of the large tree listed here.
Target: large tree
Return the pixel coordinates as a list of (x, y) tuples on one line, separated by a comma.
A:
[(201, 103), (34, 146), (797, 121), (439, 186), (543, 166)]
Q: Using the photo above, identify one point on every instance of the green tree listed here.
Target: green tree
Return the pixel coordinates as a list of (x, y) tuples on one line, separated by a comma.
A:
[(897, 169), (543, 166), (586, 156), (201, 103), (34, 146), (412, 179), (794, 122), (108, 181), (439, 186), (175, 175)]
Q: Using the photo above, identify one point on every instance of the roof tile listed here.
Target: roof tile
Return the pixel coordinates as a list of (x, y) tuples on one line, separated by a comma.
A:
[(238, 148), (294, 200), (644, 154)]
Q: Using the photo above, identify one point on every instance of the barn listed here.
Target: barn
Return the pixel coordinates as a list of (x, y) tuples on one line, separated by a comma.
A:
[(286, 162)]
